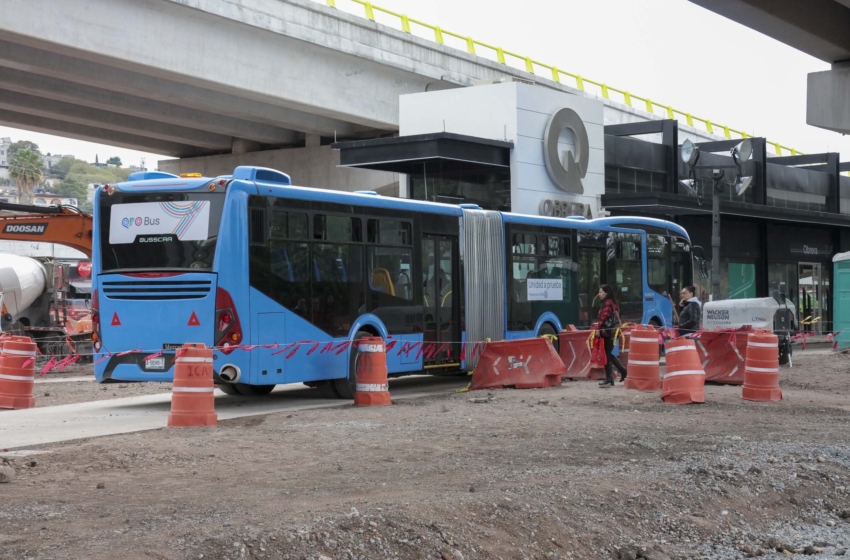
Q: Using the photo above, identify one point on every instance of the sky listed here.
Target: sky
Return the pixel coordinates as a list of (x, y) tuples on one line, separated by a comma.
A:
[(670, 51)]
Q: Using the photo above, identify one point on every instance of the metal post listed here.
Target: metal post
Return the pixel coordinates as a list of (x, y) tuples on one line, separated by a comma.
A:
[(715, 240)]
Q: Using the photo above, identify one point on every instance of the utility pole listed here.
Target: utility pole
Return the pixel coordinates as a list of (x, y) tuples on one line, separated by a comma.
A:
[(716, 190)]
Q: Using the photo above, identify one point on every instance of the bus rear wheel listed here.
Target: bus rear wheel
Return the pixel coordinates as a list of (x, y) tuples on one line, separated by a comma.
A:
[(346, 386), (244, 390)]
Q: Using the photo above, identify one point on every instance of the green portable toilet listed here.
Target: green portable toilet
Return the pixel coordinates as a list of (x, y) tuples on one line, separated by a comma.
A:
[(841, 307)]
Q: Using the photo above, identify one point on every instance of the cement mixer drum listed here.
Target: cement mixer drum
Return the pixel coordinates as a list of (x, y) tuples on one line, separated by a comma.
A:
[(22, 281)]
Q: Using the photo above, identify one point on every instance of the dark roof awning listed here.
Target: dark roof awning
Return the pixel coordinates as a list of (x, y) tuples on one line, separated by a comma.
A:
[(410, 154), (678, 205)]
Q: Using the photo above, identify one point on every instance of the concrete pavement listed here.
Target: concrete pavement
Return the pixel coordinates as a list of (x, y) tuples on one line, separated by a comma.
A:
[(20, 429)]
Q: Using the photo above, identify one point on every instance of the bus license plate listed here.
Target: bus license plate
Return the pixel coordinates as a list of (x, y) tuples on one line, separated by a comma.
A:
[(155, 363)]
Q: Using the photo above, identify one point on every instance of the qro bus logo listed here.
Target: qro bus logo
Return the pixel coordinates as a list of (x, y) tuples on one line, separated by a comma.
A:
[(127, 222), (33, 229), (566, 172)]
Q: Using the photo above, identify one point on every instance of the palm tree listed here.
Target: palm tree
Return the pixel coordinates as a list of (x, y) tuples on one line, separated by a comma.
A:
[(25, 169)]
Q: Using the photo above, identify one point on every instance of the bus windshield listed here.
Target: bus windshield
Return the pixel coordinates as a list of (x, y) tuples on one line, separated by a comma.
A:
[(159, 230)]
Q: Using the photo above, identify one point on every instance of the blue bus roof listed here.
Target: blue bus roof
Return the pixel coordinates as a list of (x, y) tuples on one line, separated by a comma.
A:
[(249, 175)]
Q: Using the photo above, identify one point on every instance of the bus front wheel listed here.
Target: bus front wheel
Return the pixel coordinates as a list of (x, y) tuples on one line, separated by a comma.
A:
[(346, 386), (548, 330)]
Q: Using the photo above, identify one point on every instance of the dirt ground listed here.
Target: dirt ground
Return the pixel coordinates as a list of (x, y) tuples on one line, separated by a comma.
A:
[(50, 390), (567, 472)]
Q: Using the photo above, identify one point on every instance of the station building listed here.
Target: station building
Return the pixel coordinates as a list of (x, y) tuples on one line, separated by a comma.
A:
[(533, 150)]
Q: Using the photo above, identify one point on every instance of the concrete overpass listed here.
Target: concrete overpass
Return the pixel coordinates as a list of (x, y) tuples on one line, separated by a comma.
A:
[(820, 28), (227, 82)]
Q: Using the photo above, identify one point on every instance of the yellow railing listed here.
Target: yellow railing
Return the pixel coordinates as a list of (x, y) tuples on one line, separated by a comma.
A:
[(556, 73)]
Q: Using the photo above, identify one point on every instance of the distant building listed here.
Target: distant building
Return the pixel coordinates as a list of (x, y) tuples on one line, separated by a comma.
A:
[(49, 161), (5, 143)]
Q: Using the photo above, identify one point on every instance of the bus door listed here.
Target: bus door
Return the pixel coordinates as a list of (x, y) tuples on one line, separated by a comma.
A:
[(441, 300), (590, 271)]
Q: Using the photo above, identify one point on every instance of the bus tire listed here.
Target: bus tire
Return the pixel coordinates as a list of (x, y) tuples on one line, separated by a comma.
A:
[(228, 389), (548, 329), (346, 386), (253, 390)]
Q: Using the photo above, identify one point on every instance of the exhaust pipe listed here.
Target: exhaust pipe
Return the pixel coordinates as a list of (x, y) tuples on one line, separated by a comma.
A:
[(230, 374)]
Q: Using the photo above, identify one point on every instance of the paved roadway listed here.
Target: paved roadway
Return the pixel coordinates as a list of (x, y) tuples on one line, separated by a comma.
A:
[(21, 429)]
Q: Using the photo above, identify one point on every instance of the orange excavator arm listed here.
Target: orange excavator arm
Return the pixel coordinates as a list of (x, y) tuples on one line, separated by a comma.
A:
[(64, 225)]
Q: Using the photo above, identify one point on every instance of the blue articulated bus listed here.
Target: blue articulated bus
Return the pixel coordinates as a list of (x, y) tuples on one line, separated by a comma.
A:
[(282, 279)]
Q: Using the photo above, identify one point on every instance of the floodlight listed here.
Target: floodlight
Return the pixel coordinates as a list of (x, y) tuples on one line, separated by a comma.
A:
[(689, 152), (689, 186), (742, 184), (742, 152)]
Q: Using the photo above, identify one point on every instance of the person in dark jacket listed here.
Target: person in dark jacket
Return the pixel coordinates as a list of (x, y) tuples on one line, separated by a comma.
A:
[(609, 322), (689, 317)]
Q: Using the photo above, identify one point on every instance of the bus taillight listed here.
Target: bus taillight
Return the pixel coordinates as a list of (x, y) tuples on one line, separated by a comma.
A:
[(95, 322), (228, 330)]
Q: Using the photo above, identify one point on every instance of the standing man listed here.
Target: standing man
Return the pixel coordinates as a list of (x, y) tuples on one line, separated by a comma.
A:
[(689, 317)]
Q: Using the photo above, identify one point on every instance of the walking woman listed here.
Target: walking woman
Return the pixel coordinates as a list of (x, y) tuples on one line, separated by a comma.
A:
[(609, 322)]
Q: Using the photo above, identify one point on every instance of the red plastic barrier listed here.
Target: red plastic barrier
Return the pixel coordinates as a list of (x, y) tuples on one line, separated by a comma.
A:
[(523, 364), (722, 355), (575, 352)]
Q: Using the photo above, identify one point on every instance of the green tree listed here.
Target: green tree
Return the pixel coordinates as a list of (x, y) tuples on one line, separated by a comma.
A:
[(72, 188), (116, 161), (60, 168), (15, 147), (25, 169)]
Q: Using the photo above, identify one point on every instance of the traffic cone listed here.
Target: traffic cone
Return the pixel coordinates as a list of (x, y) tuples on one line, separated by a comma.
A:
[(761, 372), (192, 400), (17, 371), (372, 388), (644, 370), (684, 378)]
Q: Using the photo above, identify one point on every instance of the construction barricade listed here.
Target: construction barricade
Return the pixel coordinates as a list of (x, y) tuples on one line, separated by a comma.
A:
[(684, 379), (574, 346), (17, 371), (372, 387), (522, 364), (761, 373), (644, 370), (722, 354), (192, 399)]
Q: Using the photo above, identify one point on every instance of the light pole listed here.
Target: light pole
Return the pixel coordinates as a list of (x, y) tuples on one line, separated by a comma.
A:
[(690, 156)]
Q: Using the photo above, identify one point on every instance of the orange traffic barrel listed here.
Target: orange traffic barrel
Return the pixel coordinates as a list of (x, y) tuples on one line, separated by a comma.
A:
[(372, 387), (684, 378), (17, 372), (644, 370), (192, 399), (761, 371)]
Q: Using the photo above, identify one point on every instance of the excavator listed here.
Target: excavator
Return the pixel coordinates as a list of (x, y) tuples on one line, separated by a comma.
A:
[(34, 292), (65, 225)]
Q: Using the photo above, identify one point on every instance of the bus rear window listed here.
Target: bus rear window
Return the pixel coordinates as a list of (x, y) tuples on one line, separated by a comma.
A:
[(159, 230)]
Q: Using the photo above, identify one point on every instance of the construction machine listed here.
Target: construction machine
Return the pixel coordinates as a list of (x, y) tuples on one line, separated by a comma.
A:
[(36, 297)]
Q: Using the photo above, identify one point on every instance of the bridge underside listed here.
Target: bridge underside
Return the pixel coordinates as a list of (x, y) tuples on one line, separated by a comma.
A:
[(186, 78), (820, 28)]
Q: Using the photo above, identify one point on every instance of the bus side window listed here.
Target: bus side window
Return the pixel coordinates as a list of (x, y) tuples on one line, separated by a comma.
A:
[(523, 266), (657, 266), (625, 274), (337, 264), (389, 258)]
